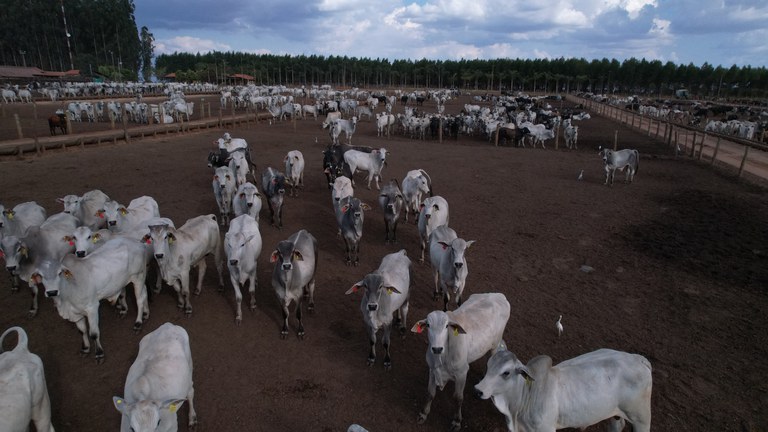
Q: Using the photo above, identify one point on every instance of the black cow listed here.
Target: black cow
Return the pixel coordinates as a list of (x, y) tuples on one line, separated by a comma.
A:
[(57, 121)]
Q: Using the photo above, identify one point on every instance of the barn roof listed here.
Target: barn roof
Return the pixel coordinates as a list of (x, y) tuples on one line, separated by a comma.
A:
[(242, 76), (20, 72)]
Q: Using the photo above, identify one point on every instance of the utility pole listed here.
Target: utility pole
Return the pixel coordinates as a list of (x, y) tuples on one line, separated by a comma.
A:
[(69, 47)]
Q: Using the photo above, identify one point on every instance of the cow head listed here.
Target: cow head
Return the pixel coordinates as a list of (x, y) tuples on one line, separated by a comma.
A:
[(71, 203), (374, 287), (505, 376), (144, 416), (236, 245), (83, 239), (113, 211), (248, 194), (161, 237), (458, 248), (439, 328), (14, 251)]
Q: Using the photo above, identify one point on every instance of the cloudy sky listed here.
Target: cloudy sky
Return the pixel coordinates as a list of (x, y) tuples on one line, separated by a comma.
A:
[(719, 32)]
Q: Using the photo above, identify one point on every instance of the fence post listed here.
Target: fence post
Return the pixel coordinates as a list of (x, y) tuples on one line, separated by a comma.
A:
[(18, 125), (693, 145), (125, 123), (717, 148), (701, 147), (743, 160), (440, 133), (615, 139)]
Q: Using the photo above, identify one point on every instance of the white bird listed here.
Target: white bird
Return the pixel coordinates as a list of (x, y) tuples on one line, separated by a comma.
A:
[(559, 326), (581, 175)]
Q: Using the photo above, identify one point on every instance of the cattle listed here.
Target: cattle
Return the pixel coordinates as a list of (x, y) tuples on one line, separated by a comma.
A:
[(122, 219), (384, 124), (177, 250), (86, 208), (391, 203), (247, 200), (458, 338), (158, 383), (330, 120), (85, 240), (449, 265), (342, 188), (333, 165), (343, 125), (223, 191), (293, 276), (294, 170), (372, 162), (572, 136), (539, 132), (57, 121), (577, 393), (351, 222), (41, 244), (387, 291), (77, 285), (239, 166), (17, 220), (273, 186), (416, 184), (242, 246), (433, 212), (24, 393), (626, 159)]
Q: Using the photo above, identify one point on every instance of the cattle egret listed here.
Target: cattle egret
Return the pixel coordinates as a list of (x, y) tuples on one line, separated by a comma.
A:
[(559, 326), (581, 175)]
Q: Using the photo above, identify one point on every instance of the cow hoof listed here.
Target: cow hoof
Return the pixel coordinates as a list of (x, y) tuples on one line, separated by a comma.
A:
[(180, 305), (136, 327), (283, 335), (31, 314), (422, 418), (197, 292), (100, 359), (238, 321), (455, 426), (188, 311), (387, 365)]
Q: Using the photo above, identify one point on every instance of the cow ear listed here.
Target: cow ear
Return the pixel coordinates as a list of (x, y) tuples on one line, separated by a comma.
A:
[(525, 373), (120, 404), (171, 238), (457, 329), (298, 256), (146, 239), (96, 237), (100, 213), (344, 208), (444, 245), (123, 211), (172, 405), (23, 251), (61, 200), (274, 256), (66, 273), (391, 289), (365, 206), (355, 288), (419, 326), (36, 278), (470, 243)]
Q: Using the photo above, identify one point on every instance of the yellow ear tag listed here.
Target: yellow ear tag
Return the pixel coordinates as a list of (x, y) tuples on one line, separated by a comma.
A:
[(527, 380), (119, 401), (123, 212), (455, 331), (10, 215), (170, 240), (173, 408), (389, 291)]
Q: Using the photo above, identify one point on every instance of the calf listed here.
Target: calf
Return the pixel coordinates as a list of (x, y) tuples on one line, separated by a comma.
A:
[(351, 227), (24, 393), (293, 276), (20, 218), (158, 383), (449, 266), (386, 294), (294, 170), (122, 219), (57, 121), (372, 162), (391, 203), (77, 285), (242, 246), (628, 159), (416, 184), (177, 250), (457, 339), (224, 190), (86, 208), (273, 186), (247, 201), (572, 136), (432, 213), (577, 393)]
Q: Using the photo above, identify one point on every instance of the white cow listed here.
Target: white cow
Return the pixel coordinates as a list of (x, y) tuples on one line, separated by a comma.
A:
[(224, 190), (433, 212), (416, 185), (294, 170), (343, 125), (572, 136), (449, 265), (86, 208), (372, 162), (239, 165), (628, 159), (539, 132), (384, 123), (9, 96), (123, 219), (158, 383), (24, 393), (577, 393), (177, 250), (386, 294), (20, 218), (458, 338), (247, 200), (77, 285), (242, 246)]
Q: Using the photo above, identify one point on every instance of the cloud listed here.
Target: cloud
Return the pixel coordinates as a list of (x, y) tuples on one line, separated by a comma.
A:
[(189, 44)]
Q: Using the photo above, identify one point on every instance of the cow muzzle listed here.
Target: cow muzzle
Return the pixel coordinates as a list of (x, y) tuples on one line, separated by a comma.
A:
[(287, 266), (112, 223), (250, 204), (233, 262), (159, 256), (52, 293), (372, 307), (437, 350), (11, 269), (80, 254), (458, 265)]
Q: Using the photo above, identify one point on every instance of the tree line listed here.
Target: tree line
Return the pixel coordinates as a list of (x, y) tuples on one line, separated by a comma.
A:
[(94, 36), (632, 76)]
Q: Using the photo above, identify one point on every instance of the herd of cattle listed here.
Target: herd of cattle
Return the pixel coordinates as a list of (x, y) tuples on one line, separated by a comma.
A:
[(96, 247)]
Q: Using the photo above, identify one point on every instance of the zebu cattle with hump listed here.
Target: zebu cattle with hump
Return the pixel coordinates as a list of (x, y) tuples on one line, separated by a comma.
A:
[(351, 227), (40, 244), (416, 184), (86, 208), (372, 162), (247, 200), (223, 191), (242, 246), (577, 393), (449, 265), (123, 219), (177, 250), (458, 338), (626, 159), (293, 276), (294, 170), (391, 203), (433, 212), (343, 125), (17, 220), (387, 291), (77, 286), (24, 393), (273, 186), (158, 383)]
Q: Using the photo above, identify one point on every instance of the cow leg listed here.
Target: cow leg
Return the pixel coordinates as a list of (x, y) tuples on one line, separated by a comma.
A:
[(385, 344), (458, 394), (372, 341), (238, 297), (41, 412), (179, 294), (436, 276), (431, 388), (310, 291), (186, 303), (33, 307), (83, 328), (254, 283), (446, 299), (616, 424), (284, 331), (140, 292), (92, 315), (394, 231), (386, 231), (201, 267), (300, 332)]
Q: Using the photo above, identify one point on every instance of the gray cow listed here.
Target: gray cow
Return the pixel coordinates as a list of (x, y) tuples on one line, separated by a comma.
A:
[(293, 277), (391, 202), (432, 213), (273, 186), (386, 293), (449, 266), (351, 226)]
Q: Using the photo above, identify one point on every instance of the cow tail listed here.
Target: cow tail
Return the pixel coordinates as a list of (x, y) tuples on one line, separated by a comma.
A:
[(22, 338), (637, 161)]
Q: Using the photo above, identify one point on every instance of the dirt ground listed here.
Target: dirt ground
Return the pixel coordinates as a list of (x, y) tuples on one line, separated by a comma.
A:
[(680, 276)]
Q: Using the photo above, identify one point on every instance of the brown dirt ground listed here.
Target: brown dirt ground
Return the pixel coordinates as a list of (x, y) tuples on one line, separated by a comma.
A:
[(680, 277)]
